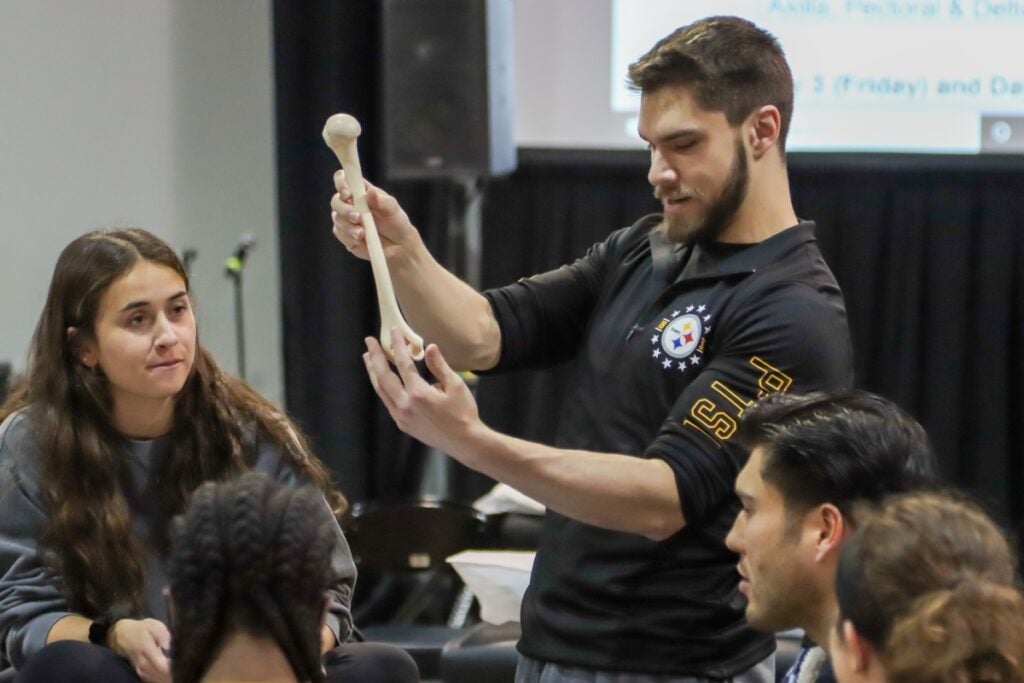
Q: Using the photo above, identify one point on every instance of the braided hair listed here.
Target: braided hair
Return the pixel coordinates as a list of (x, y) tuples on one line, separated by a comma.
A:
[(250, 555)]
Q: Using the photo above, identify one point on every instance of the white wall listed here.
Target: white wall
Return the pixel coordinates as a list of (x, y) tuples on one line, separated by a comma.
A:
[(156, 113), (563, 77)]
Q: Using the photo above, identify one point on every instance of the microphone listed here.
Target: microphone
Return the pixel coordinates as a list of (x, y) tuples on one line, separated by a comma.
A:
[(234, 263), (188, 256)]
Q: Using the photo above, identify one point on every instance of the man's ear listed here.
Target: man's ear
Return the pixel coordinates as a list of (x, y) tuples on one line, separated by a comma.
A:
[(829, 528), (81, 348), (765, 128)]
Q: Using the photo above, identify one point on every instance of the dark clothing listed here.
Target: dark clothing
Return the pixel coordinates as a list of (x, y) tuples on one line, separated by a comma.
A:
[(370, 663), (533, 671), (671, 344), (70, 661)]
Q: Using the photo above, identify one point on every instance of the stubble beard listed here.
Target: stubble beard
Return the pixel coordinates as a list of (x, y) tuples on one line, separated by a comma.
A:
[(789, 596), (720, 212)]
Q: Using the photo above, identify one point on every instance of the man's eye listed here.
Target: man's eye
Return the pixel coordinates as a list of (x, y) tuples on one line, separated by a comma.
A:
[(136, 320)]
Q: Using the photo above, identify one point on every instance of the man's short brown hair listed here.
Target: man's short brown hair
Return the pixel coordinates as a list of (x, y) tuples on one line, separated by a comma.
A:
[(734, 66)]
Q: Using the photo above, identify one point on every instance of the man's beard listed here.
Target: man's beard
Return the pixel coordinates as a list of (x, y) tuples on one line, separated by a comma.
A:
[(720, 212)]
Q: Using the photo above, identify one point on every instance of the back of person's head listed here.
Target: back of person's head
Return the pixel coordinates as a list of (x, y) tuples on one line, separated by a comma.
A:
[(843, 448), (733, 66), (929, 581), (250, 556)]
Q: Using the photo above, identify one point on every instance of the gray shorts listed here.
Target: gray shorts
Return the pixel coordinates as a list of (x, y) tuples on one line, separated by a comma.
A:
[(535, 671)]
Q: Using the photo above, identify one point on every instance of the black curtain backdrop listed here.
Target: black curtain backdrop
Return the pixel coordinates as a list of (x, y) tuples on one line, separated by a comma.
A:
[(326, 61), (929, 253)]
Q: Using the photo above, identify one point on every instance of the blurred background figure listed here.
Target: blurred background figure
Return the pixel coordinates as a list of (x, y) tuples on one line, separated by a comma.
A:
[(927, 591)]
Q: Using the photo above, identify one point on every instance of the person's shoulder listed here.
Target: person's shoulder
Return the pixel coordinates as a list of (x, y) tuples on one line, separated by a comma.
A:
[(789, 287), (633, 238), (791, 300), (790, 265), (18, 432), (636, 233), (19, 446), (794, 253)]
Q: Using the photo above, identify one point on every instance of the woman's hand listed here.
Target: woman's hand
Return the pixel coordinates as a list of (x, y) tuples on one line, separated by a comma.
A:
[(143, 643)]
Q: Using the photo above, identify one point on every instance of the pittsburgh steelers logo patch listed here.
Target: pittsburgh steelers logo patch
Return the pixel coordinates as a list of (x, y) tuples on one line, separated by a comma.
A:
[(680, 337)]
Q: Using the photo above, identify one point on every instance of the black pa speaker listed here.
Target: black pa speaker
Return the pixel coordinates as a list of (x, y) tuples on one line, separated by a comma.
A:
[(447, 88)]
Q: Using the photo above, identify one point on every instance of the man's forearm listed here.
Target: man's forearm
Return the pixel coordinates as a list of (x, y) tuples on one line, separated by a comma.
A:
[(612, 491), (446, 311), (619, 492)]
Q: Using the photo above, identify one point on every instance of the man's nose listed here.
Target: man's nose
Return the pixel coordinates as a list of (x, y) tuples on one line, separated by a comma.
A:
[(733, 537), (661, 172)]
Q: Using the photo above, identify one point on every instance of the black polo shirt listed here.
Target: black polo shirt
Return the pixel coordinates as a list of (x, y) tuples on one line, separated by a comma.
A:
[(671, 344)]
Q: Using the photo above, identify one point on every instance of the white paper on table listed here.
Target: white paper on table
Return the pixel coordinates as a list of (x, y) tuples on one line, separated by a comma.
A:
[(504, 498), (498, 579)]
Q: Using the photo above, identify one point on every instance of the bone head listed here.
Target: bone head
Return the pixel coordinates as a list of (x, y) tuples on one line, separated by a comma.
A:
[(341, 128)]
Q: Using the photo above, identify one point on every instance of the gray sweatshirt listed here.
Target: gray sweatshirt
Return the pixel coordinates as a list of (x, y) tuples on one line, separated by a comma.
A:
[(30, 597)]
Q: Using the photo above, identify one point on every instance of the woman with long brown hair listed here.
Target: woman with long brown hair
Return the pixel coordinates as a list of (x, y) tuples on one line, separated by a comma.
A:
[(927, 592), (121, 416)]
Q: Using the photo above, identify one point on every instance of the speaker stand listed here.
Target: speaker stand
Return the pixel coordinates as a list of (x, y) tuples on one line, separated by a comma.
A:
[(463, 257)]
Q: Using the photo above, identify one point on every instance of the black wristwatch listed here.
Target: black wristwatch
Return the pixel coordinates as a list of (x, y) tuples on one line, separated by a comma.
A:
[(99, 629)]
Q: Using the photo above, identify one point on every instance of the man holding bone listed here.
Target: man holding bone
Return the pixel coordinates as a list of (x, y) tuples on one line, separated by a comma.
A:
[(676, 324)]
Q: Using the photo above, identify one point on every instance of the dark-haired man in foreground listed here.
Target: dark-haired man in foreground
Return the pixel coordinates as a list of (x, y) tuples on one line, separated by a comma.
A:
[(676, 325), (813, 460)]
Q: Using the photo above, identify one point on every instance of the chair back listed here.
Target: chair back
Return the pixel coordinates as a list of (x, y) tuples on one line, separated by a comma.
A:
[(413, 535)]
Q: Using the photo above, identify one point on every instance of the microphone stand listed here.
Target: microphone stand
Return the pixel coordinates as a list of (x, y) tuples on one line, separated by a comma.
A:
[(463, 257), (188, 256), (239, 323), (233, 269)]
